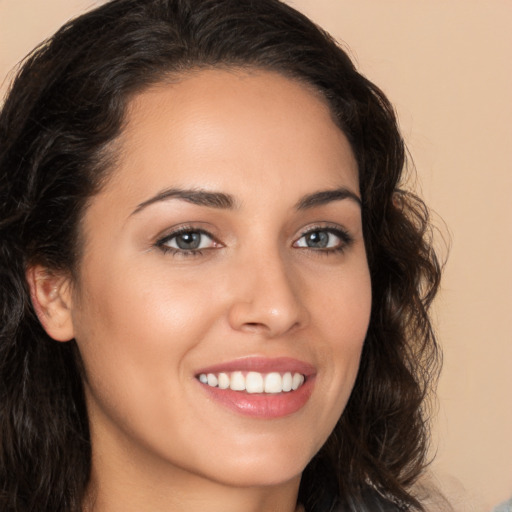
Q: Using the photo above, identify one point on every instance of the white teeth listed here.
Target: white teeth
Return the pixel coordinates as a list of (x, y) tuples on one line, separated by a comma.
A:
[(237, 381), (297, 381), (212, 380), (223, 381), (254, 382), (287, 381), (273, 383)]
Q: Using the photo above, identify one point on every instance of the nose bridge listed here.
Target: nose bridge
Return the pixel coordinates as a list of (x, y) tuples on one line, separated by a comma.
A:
[(267, 296)]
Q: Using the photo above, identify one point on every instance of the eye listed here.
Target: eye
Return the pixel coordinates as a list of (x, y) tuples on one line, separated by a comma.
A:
[(187, 241), (326, 239)]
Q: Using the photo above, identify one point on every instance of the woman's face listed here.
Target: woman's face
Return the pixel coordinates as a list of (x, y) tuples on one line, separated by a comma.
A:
[(225, 250)]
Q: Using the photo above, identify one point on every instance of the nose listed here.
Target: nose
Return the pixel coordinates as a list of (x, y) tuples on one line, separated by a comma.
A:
[(267, 298)]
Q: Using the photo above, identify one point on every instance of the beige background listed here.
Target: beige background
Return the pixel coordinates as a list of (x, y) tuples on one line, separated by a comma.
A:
[(447, 67)]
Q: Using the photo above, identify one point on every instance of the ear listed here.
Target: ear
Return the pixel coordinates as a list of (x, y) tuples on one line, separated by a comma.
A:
[(52, 300)]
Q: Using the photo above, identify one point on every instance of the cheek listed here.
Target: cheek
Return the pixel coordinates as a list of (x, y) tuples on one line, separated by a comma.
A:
[(343, 315), (141, 309), (345, 307), (135, 336), (135, 332)]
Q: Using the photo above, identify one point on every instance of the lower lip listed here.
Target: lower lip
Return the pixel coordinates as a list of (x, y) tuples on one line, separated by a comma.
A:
[(262, 405)]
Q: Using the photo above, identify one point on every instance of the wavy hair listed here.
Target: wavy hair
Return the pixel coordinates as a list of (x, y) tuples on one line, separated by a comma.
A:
[(58, 128)]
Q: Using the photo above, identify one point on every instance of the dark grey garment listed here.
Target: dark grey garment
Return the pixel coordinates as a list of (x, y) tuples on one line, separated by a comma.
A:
[(372, 502), (504, 507)]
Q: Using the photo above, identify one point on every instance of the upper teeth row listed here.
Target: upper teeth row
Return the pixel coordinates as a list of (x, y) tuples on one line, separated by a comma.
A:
[(254, 382)]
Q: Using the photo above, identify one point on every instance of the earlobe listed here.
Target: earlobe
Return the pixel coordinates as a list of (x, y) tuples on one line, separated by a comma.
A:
[(52, 300)]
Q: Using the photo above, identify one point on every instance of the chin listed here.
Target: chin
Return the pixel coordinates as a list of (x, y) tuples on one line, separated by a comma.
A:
[(268, 468), (269, 475)]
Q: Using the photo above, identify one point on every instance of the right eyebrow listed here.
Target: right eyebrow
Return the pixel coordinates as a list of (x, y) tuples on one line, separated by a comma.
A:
[(327, 196), (194, 196)]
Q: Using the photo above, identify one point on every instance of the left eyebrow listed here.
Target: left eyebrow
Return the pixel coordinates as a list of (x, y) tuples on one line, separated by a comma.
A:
[(194, 196), (326, 196)]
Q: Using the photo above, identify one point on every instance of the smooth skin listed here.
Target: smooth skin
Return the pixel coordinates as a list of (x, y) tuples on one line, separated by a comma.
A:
[(267, 267)]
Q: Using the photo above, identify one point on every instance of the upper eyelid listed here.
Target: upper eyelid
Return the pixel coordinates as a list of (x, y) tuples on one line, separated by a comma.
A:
[(175, 231), (346, 239), (336, 229), (162, 241)]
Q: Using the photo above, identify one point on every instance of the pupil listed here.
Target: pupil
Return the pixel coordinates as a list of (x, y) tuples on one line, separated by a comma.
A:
[(318, 239), (188, 240)]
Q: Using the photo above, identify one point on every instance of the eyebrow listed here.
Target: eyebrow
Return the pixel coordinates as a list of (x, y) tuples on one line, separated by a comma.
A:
[(326, 196), (194, 196), (221, 200)]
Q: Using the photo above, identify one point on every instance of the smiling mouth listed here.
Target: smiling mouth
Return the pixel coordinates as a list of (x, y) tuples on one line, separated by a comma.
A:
[(254, 382), (259, 387)]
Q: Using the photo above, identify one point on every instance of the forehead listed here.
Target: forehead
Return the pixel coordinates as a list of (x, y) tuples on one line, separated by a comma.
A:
[(214, 127)]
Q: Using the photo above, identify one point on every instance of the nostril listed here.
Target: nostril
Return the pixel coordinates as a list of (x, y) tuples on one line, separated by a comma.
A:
[(254, 326)]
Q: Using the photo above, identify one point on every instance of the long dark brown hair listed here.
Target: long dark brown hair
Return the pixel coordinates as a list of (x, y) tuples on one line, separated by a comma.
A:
[(61, 117)]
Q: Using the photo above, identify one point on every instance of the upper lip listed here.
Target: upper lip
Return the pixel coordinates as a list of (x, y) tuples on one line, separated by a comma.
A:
[(262, 365)]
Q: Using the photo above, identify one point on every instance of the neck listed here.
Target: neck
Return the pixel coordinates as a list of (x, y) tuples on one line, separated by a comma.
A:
[(122, 496)]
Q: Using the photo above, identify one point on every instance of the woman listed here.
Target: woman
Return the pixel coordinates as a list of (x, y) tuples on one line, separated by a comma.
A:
[(214, 292)]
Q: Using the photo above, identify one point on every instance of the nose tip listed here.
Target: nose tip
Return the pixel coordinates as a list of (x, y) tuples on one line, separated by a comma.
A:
[(269, 304)]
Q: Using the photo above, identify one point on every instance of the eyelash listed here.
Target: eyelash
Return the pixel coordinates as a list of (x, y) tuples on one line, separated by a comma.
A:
[(344, 236), (345, 241), (161, 243)]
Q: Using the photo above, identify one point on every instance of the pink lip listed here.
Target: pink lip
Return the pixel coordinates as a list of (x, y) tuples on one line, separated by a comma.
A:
[(262, 405), (262, 365)]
